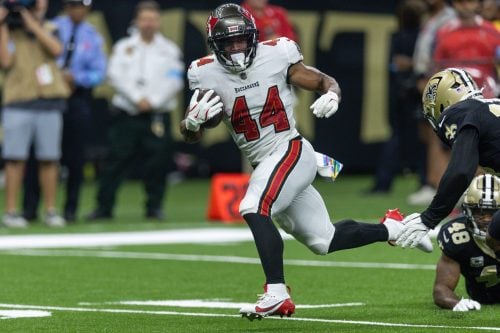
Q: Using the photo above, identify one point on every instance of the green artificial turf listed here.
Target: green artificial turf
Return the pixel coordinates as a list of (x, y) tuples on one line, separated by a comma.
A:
[(82, 289)]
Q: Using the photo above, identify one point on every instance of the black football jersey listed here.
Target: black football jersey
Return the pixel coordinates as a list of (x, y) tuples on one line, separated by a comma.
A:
[(484, 115), (480, 270)]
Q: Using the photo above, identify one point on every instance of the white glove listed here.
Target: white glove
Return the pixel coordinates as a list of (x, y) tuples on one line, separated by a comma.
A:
[(413, 232), (326, 105), (466, 304), (202, 110)]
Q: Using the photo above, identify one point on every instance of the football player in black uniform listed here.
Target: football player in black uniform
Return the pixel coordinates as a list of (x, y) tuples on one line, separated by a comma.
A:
[(470, 125), (462, 241)]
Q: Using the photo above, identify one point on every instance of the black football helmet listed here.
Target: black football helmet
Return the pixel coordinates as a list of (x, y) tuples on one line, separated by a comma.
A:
[(226, 22), (482, 197)]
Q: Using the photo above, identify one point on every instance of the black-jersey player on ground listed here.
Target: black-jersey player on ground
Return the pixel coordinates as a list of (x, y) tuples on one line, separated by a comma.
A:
[(470, 125), (465, 252)]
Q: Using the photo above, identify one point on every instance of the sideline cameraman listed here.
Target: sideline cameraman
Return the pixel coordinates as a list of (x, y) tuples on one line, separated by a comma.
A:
[(34, 95)]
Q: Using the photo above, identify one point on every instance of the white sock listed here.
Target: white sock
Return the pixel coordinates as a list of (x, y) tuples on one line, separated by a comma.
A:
[(277, 289), (393, 228)]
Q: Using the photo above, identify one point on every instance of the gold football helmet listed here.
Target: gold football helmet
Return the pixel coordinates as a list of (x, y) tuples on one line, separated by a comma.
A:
[(481, 201), (444, 89)]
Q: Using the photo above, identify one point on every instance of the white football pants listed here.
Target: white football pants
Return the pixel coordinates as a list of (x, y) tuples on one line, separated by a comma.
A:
[(280, 187)]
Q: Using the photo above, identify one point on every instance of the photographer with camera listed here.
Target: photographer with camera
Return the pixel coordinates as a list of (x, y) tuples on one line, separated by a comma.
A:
[(34, 96)]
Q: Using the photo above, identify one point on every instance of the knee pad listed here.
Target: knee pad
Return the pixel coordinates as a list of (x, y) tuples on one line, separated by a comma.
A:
[(316, 239)]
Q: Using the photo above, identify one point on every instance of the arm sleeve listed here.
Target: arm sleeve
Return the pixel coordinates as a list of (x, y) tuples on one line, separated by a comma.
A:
[(457, 177)]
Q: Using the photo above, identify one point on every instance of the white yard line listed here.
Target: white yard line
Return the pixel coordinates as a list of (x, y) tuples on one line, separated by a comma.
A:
[(177, 236), (15, 314), (209, 258), (214, 315), (213, 304)]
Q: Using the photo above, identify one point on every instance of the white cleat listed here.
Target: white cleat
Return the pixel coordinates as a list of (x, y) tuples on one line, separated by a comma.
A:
[(14, 221), (55, 221), (269, 304)]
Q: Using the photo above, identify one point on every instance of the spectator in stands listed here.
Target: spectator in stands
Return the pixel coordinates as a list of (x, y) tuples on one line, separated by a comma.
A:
[(403, 149), (147, 72), (490, 10), (34, 96), (271, 21), (84, 66), (469, 42), (437, 155)]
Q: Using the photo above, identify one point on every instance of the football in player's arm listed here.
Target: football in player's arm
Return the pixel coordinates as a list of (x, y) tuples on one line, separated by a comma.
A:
[(253, 82), (299, 75), (470, 124), (464, 250)]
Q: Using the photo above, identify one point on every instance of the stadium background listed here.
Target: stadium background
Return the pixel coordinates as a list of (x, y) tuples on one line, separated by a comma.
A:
[(347, 39)]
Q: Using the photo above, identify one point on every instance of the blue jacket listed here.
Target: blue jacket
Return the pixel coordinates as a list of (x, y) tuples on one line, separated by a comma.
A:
[(88, 61)]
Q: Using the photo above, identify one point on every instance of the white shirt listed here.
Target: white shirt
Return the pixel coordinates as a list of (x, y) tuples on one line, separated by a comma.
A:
[(258, 106), (152, 70)]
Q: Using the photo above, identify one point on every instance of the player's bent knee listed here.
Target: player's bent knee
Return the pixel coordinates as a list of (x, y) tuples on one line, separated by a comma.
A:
[(319, 248)]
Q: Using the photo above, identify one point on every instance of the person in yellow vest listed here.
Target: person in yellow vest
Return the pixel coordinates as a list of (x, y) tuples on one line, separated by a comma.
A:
[(34, 97)]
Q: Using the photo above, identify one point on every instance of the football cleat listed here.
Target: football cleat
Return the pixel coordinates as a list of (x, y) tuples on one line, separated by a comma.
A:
[(393, 221), (269, 304)]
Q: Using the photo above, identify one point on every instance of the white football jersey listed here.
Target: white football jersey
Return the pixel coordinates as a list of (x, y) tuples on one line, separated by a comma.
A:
[(258, 103)]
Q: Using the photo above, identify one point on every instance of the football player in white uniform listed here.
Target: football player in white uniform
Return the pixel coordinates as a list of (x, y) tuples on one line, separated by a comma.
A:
[(254, 82)]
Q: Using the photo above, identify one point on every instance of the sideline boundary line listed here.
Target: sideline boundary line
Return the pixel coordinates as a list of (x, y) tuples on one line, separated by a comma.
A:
[(213, 315)]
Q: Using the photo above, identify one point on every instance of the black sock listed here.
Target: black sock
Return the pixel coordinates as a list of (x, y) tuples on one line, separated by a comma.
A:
[(350, 234), (269, 245)]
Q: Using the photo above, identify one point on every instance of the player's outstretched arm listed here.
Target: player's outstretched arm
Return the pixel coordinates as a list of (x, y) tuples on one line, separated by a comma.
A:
[(310, 78), (447, 277)]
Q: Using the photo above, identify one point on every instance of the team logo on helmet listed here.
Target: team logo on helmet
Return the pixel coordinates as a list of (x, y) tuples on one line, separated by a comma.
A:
[(430, 95)]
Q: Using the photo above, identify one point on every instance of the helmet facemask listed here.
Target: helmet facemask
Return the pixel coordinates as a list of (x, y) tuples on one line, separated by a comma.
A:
[(481, 201), (445, 89), (226, 25), (235, 60)]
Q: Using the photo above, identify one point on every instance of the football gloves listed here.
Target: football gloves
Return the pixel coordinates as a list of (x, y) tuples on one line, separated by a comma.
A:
[(414, 231), (202, 110), (326, 105), (466, 304)]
